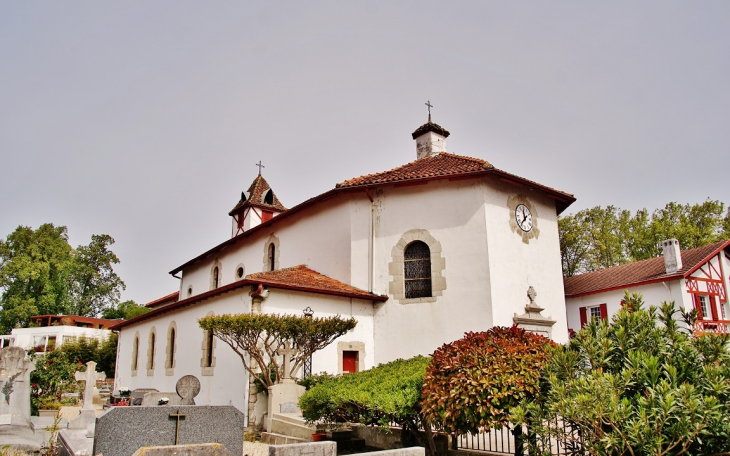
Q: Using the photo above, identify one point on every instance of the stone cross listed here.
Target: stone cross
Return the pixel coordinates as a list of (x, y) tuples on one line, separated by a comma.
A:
[(531, 294), (187, 388), (177, 416), (260, 166), (287, 352), (90, 377)]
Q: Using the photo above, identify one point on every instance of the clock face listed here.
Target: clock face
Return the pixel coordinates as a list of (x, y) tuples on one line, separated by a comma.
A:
[(523, 217)]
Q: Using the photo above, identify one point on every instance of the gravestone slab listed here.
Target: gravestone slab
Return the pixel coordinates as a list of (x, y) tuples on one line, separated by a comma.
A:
[(121, 431), (15, 369), (152, 399), (202, 449), (308, 449), (187, 388), (289, 407)]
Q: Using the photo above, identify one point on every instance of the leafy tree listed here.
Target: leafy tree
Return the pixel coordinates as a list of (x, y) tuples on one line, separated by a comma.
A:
[(599, 237), (125, 309), (388, 393), (257, 339), (639, 385), (35, 268), (41, 274), (472, 383), (95, 285), (85, 349)]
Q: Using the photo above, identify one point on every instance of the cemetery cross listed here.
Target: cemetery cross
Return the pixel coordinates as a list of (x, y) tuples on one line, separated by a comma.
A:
[(177, 416), (90, 377)]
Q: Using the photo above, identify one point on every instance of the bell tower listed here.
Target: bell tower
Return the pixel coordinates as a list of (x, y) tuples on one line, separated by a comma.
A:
[(257, 205)]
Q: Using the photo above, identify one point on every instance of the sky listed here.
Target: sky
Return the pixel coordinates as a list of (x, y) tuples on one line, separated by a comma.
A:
[(144, 119)]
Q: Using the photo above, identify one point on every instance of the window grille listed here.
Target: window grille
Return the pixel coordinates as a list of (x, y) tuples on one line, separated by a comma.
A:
[(417, 272)]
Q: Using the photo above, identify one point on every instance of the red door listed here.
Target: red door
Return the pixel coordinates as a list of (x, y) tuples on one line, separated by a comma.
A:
[(349, 362)]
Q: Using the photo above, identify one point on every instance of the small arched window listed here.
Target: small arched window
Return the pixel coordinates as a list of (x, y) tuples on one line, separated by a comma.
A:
[(417, 273), (269, 197), (209, 349), (171, 350), (215, 277), (135, 353), (272, 257), (151, 353)]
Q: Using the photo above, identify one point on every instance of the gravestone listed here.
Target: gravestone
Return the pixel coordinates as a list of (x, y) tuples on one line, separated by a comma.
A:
[(87, 414), (153, 399), (121, 431), (187, 388), (284, 395), (15, 369)]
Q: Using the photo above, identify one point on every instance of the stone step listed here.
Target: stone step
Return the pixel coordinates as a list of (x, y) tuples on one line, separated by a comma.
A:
[(271, 438), (292, 427), (293, 419)]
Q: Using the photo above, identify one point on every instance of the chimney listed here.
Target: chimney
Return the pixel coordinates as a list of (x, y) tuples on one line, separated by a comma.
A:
[(430, 139), (672, 255)]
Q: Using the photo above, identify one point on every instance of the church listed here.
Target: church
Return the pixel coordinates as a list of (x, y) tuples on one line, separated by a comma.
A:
[(419, 255)]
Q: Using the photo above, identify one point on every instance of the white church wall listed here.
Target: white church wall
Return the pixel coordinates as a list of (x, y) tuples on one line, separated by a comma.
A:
[(654, 294), (228, 385), (360, 237), (453, 214), (327, 360), (515, 265), (319, 238)]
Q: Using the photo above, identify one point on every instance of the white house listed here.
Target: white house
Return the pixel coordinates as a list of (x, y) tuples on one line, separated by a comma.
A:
[(693, 279), (52, 331), (418, 255)]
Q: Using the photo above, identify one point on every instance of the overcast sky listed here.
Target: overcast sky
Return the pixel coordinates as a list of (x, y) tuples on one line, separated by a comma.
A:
[(144, 119)]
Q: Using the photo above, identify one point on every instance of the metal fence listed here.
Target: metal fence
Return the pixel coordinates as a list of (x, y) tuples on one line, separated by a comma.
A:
[(504, 441)]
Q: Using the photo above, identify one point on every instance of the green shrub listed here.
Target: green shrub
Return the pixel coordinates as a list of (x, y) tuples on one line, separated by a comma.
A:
[(314, 380), (640, 385), (388, 393), (53, 376), (103, 353)]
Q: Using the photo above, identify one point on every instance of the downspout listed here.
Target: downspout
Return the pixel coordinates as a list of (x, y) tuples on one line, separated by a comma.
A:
[(371, 231)]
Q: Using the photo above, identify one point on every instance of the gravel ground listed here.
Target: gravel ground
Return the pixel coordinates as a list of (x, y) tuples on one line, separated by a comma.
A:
[(255, 449)]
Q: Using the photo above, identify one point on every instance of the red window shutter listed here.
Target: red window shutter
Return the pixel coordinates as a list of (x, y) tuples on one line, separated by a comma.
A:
[(604, 312), (583, 317), (698, 305), (713, 307)]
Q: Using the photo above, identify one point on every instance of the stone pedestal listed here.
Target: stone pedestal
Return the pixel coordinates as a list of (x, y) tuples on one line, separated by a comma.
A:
[(533, 320), (86, 417), (285, 393)]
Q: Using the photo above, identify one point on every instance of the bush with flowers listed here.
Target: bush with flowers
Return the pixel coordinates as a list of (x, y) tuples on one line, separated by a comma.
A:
[(53, 376)]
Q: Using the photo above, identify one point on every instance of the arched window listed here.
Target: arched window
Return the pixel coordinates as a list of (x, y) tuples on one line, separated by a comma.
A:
[(151, 353), (272, 257), (171, 349), (417, 270), (135, 352), (269, 197), (215, 277), (209, 349)]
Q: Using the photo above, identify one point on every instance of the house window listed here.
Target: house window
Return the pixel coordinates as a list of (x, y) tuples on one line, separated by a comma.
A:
[(705, 308), (215, 277), (239, 272), (209, 349), (417, 270), (589, 313), (272, 257)]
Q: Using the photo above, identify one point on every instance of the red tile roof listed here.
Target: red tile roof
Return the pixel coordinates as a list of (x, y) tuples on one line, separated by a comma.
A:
[(443, 164), (304, 279), (298, 278), (639, 272), (73, 320), (172, 297), (256, 192)]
